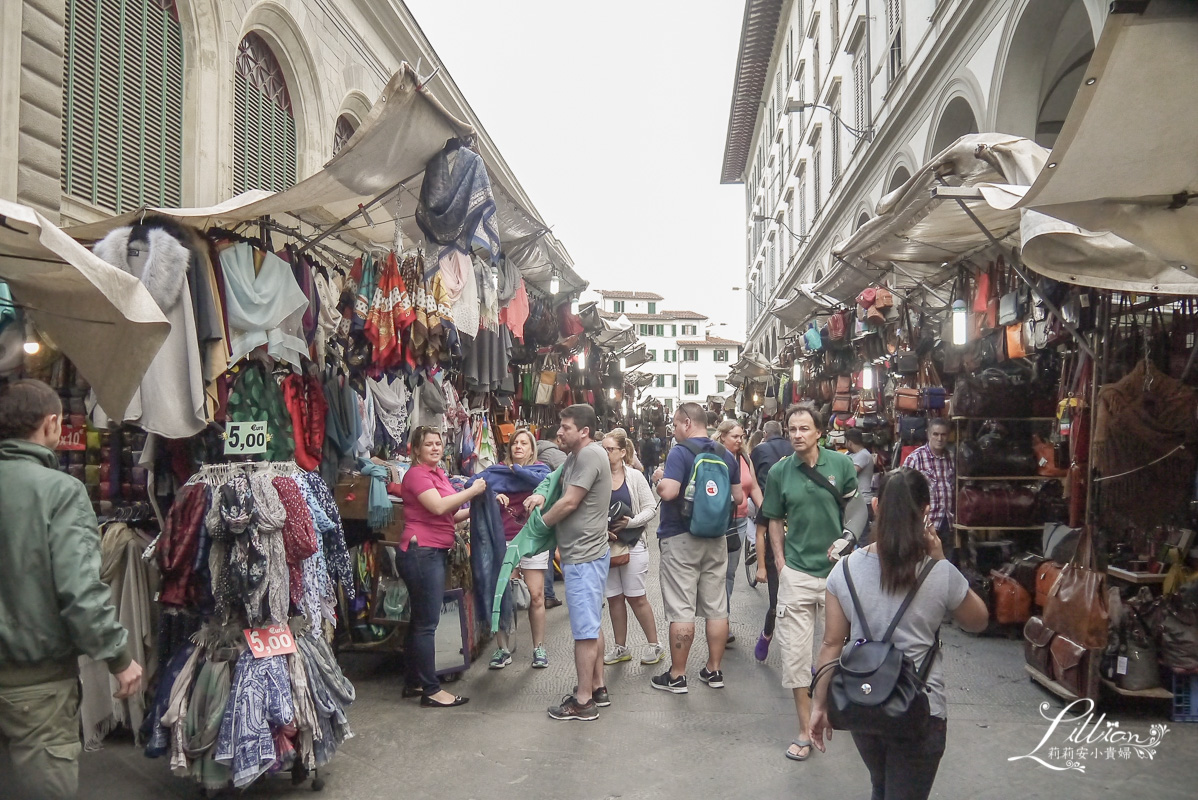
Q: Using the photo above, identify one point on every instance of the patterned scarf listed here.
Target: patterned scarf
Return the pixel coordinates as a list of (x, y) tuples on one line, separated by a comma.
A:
[(457, 206), (299, 537), (260, 697), (331, 693), (389, 314), (336, 554), (379, 502), (304, 398), (272, 518)]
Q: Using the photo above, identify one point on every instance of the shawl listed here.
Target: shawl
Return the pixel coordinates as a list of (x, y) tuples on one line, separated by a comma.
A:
[(319, 597), (329, 319), (509, 281), (456, 207), (331, 693), (336, 554), (305, 400), (306, 723), (365, 423), (170, 401), (299, 537), (488, 296), (259, 697), (365, 281), (339, 424), (158, 736), (301, 270), (265, 307), (379, 515), (534, 538), (272, 518), (256, 395), (456, 268), (486, 367), (176, 713), (515, 313), (177, 549), (391, 406), (202, 725), (390, 313), (465, 311)]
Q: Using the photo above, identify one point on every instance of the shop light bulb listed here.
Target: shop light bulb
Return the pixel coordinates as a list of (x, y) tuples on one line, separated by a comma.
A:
[(797, 371), (960, 323), (623, 363), (574, 306), (554, 285), (867, 379), (33, 347), (582, 359), (756, 397), (611, 393)]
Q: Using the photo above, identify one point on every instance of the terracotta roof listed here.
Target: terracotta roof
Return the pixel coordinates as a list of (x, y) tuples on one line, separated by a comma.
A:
[(622, 295), (660, 315), (709, 341), (757, 35)]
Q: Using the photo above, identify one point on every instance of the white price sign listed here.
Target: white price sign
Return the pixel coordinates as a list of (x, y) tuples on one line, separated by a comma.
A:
[(245, 438)]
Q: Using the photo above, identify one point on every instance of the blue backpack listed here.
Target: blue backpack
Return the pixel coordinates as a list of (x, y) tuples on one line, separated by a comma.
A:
[(707, 499)]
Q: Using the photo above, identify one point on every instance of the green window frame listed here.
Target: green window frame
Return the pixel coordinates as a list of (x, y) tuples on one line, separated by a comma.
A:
[(617, 306), (653, 308), (122, 119), (264, 131), (692, 386)]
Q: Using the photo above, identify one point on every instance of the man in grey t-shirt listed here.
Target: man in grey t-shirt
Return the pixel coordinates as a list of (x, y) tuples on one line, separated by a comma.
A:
[(580, 520)]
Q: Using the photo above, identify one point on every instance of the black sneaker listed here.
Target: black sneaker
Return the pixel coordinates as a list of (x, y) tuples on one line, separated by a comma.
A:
[(668, 683), (714, 679), (600, 696), (572, 709)]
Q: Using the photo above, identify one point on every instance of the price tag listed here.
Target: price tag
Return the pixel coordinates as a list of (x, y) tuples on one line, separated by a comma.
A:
[(273, 641), (1121, 666), (73, 438), (246, 438)]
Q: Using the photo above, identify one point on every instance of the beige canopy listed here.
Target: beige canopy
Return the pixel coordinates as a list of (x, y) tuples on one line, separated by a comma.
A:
[(103, 319)]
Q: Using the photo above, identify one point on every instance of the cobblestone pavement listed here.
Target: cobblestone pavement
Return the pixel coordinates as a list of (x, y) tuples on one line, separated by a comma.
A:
[(709, 743)]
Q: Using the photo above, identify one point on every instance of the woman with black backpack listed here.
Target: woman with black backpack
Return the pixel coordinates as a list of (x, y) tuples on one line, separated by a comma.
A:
[(900, 585)]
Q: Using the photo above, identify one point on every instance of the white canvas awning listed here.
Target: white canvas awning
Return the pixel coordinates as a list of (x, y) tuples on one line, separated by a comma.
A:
[(802, 304), (405, 128), (103, 319), (1125, 159)]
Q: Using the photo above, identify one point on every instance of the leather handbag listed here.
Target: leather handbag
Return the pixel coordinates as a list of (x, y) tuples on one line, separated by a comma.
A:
[(1071, 666), (1037, 638), (1012, 602), (1046, 465), (883, 299), (913, 430), (905, 363), (867, 297), (1016, 345), (837, 326), (1046, 577), (993, 393), (999, 506), (1077, 603), (906, 400), (1024, 568), (994, 455)]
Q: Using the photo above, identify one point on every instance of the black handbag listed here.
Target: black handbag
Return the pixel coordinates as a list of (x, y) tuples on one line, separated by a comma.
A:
[(993, 393), (618, 510), (875, 688), (995, 455)]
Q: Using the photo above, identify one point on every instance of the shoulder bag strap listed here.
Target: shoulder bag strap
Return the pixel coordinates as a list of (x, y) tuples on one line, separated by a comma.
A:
[(848, 579), (926, 666), (923, 576), (815, 477)]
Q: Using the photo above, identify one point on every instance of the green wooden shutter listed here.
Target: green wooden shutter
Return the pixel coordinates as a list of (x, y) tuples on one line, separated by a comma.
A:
[(123, 104), (264, 132)]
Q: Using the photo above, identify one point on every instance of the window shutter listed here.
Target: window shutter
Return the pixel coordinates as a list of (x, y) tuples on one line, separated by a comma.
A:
[(264, 131), (123, 104), (861, 87), (894, 11)]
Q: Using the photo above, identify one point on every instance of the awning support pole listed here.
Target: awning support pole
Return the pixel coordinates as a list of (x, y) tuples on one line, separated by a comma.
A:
[(1051, 306), (877, 283), (362, 208)]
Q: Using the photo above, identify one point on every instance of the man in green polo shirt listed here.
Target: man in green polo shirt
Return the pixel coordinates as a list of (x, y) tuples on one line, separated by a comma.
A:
[(804, 510)]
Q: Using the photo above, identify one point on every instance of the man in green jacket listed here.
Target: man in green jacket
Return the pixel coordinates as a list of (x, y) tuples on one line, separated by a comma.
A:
[(53, 605)]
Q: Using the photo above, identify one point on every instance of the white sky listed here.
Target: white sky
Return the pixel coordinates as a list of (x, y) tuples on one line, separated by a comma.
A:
[(613, 117)]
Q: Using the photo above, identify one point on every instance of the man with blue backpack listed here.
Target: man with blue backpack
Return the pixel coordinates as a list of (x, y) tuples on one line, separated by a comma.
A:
[(699, 486)]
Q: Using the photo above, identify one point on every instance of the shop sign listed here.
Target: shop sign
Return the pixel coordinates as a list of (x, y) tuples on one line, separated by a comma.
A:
[(273, 641), (246, 438), (73, 438)]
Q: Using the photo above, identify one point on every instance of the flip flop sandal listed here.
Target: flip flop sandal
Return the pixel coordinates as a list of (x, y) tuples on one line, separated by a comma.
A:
[(799, 743)]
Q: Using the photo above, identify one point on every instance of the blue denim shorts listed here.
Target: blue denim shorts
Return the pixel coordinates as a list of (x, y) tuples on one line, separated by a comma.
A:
[(585, 585)]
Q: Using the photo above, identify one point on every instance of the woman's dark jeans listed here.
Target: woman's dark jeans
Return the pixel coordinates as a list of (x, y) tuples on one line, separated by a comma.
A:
[(903, 769), (423, 570)]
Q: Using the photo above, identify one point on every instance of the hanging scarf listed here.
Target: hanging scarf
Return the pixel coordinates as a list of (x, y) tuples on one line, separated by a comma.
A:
[(175, 717), (331, 693), (365, 423), (260, 696), (265, 307), (305, 400), (366, 283), (306, 722), (379, 501), (389, 314), (488, 296), (339, 422), (456, 269), (201, 727), (434, 335), (391, 406), (329, 319), (336, 554), (457, 207), (272, 518), (515, 313), (256, 396), (299, 537)]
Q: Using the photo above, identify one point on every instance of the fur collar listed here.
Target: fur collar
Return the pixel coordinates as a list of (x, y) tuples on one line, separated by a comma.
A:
[(165, 272)]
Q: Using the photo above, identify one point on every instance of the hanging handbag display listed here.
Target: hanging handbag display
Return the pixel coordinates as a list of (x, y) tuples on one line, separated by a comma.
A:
[(1016, 343), (906, 400), (998, 506), (1077, 603), (883, 298), (993, 393), (874, 687), (995, 454)]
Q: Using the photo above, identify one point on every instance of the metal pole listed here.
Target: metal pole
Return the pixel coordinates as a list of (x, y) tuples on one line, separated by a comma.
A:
[(354, 215)]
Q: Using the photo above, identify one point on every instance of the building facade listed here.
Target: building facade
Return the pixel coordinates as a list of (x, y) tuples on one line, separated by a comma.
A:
[(893, 82), (688, 364), (108, 105)]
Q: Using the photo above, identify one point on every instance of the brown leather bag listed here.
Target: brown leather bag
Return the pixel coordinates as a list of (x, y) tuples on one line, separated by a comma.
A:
[(1077, 603), (906, 399), (1012, 603), (1046, 576), (1037, 637), (1071, 666)]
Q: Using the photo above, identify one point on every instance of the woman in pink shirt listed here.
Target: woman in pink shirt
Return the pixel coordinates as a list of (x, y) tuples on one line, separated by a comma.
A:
[(732, 436), (431, 507)]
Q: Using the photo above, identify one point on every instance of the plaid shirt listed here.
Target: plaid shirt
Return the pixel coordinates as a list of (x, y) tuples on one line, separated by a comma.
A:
[(941, 475)]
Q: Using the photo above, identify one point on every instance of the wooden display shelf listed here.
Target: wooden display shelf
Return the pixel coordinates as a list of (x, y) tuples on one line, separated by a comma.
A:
[(1049, 684), (1159, 693), (960, 527), (1007, 478), (1138, 578)]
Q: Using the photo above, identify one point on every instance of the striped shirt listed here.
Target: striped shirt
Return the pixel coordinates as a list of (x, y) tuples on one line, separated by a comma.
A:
[(941, 475)]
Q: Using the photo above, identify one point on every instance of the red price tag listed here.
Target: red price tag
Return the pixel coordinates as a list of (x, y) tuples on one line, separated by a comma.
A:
[(273, 641), (73, 438)]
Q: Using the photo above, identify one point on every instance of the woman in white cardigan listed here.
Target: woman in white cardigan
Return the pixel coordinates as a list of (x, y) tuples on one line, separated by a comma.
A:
[(627, 581)]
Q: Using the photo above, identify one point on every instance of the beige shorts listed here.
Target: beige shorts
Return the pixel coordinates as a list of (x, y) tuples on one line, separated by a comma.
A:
[(800, 612), (539, 561), (693, 577)]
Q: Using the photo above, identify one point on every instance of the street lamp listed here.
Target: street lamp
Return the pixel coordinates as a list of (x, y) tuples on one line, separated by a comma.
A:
[(797, 237), (794, 107)]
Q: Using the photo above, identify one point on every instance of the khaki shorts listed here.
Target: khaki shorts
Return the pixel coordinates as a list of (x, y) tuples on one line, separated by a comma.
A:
[(800, 611), (693, 573)]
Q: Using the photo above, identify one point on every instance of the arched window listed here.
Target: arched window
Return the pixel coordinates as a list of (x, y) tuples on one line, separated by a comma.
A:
[(264, 140), (122, 120), (343, 132)]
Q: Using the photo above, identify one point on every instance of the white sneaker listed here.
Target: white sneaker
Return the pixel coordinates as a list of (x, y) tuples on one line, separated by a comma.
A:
[(654, 655), (617, 654)]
